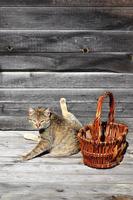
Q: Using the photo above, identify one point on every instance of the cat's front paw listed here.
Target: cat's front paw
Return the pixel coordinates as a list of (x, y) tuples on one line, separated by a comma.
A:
[(25, 158)]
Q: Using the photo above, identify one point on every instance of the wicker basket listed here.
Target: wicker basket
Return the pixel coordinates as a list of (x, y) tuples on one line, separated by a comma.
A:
[(103, 144)]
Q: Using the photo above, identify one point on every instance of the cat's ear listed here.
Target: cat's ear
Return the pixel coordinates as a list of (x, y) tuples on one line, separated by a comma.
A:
[(31, 111), (48, 112)]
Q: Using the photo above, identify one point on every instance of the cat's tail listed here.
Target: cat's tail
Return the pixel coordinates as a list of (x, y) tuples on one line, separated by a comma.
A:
[(63, 106), (30, 136)]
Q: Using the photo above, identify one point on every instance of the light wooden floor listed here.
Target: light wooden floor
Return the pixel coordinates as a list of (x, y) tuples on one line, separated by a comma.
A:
[(58, 178)]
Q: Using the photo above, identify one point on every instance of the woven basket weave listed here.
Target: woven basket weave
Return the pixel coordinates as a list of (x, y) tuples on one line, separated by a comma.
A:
[(103, 144)]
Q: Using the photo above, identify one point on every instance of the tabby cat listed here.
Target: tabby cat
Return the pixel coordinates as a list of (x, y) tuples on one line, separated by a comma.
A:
[(57, 135)]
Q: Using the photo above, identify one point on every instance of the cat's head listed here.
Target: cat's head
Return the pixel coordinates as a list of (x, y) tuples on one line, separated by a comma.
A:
[(39, 117)]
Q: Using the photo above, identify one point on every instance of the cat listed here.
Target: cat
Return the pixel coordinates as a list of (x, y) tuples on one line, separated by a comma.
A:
[(57, 135), (65, 114)]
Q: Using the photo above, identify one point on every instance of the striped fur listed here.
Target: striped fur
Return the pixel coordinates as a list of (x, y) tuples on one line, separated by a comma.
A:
[(57, 136)]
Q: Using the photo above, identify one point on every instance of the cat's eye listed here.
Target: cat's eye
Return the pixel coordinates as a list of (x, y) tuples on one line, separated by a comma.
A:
[(32, 120)]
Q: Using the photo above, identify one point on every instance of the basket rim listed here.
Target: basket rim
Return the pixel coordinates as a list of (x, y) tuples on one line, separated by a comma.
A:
[(111, 123), (114, 140), (97, 142)]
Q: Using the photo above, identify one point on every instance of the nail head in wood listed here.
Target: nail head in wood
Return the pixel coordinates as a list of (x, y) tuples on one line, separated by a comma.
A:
[(9, 48), (85, 50)]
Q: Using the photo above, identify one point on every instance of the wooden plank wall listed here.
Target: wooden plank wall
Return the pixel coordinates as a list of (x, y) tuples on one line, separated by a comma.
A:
[(71, 48)]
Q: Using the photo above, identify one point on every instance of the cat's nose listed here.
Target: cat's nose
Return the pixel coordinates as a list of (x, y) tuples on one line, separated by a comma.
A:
[(38, 125)]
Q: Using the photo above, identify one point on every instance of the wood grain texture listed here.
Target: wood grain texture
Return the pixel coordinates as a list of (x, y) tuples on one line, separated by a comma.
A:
[(14, 116), (63, 18), (65, 41), (65, 80), (40, 95), (38, 41), (52, 177), (64, 62), (21, 123), (82, 102), (57, 195), (49, 177), (81, 109), (66, 3)]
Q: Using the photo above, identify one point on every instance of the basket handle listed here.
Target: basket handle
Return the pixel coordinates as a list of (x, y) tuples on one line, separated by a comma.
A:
[(97, 121)]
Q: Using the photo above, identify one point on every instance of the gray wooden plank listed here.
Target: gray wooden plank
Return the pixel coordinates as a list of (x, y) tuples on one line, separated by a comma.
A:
[(65, 41), (63, 80), (63, 62), (73, 169), (74, 3), (35, 177), (14, 157), (13, 116), (86, 190), (63, 18), (41, 172), (59, 196), (81, 109), (39, 95)]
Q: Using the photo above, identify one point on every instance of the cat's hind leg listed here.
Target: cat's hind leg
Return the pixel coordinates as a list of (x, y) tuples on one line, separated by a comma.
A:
[(30, 136)]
